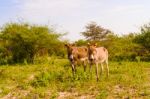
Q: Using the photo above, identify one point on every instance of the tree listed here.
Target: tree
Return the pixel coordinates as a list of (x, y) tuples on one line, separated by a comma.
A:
[(26, 41), (81, 42), (143, 38), (95, 32), (121, 47)]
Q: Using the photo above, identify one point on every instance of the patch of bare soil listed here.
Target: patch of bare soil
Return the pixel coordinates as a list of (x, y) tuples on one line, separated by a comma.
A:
[(121, 92), (17, 94), (69, 95)]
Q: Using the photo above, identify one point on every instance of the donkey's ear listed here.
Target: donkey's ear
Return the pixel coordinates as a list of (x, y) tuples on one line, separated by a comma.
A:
[(95, 44), (88, 44), (66, 45)]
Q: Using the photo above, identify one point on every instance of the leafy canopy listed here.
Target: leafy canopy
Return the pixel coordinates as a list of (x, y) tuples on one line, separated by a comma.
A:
[(25, 41)]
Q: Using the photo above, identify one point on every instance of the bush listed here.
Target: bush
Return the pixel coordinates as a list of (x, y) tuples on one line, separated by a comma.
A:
[(27, 41)]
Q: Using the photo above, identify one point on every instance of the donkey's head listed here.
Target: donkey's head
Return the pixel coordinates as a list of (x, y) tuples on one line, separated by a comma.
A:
[(92, 50), (70, 50)]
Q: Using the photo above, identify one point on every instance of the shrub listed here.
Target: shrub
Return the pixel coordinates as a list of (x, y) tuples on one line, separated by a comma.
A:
[(26, 41)]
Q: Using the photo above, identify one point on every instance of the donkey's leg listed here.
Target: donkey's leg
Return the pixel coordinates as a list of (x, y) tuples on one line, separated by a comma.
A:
[(73, 68), (107, 68), (90, 66), (84, 63), (75, 64), (101, 69), (96, 70)]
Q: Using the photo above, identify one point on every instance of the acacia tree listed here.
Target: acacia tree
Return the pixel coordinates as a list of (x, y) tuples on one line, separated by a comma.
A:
[(95, 32)]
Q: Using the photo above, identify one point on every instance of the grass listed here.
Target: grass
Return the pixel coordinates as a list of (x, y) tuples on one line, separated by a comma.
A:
[(54, 80)]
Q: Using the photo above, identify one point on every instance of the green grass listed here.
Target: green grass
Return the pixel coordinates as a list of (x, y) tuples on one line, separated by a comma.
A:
[(127, 79)]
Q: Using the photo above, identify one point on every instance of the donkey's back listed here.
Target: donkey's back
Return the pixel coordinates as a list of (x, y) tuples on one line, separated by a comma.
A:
[(102, 54)]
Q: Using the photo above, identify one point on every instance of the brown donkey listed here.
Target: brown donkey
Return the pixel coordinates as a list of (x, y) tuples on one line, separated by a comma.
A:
[(76, 54), (98, 55)]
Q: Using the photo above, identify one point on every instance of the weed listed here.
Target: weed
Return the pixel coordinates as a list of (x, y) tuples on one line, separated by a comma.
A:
[(56, 76), (102, 94)]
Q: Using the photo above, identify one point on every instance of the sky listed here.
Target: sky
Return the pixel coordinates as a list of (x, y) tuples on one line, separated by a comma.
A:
[(71, 16)]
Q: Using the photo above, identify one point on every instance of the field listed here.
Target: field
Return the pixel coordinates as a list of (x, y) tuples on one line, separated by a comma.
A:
[(54, 80)]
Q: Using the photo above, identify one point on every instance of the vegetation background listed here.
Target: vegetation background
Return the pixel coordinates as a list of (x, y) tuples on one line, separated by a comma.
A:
[(34, 63)]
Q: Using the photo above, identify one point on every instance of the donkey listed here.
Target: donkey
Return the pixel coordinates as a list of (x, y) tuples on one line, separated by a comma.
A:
[(76, 54), (98, 55)]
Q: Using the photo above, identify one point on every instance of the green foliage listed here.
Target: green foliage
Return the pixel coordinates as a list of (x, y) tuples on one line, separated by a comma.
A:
[(81, 42), (4, 56), (126, 47), (121, 48), (102, 95), (42, 80), (143, 38), (138, 59), (26, 41)]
